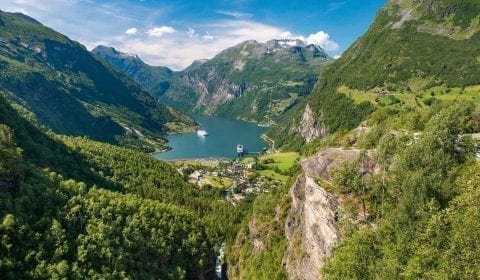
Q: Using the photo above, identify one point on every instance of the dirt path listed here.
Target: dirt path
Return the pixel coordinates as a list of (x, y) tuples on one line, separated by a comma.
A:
[(271, 143)]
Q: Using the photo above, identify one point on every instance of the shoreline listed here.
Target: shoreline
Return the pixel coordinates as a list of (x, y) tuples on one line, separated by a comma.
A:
[(271, 144)]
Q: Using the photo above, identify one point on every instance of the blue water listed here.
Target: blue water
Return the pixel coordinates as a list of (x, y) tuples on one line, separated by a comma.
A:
[(223, 136)]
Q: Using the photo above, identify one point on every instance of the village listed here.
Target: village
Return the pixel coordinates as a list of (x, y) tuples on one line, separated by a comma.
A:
[(237, 178)]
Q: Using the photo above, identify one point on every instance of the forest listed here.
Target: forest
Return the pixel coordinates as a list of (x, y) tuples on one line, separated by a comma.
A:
[(74, 208)]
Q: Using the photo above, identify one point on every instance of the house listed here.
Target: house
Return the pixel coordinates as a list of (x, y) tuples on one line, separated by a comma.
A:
[(196, 176), (236, 168)]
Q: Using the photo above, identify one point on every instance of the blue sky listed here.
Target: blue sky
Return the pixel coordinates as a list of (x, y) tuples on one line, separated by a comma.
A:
[(174, 33)]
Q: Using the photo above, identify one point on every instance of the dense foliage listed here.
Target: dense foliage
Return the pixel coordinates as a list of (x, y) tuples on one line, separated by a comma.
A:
[(258, 250), (74, 93), (74, 208), (422, 218)]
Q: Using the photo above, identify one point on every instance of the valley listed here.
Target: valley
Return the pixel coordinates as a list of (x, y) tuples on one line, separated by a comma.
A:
[(271, 159)]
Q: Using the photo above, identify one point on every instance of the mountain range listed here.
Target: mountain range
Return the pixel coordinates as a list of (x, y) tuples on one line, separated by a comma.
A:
[(70, 91), (251, 81)]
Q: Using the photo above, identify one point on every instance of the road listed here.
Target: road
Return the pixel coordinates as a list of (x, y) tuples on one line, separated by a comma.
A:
[(271, 142)]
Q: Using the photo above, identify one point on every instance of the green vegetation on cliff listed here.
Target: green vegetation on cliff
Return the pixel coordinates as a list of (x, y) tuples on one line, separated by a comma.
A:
[(414, 53), (73, 93)]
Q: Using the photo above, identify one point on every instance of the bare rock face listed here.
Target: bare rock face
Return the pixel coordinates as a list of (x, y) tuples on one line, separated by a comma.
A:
[(322, 164), (310, 127), (210, 101), (311, 226)]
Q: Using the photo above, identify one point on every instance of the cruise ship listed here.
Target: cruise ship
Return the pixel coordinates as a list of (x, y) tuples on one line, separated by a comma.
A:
[(240, 149), (202, 132)]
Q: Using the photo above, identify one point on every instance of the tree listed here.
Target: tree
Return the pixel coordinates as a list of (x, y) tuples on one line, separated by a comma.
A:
[(350, 178), (384, 155)]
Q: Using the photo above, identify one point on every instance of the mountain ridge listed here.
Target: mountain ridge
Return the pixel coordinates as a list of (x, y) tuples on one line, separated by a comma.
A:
[(253, 81), (394, 64), (72, 92)]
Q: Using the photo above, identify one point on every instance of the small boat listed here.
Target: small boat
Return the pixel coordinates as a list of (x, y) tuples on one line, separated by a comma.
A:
[(202, 132)]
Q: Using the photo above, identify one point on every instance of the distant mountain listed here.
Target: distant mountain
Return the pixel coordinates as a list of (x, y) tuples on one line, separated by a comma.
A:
[(252, 81), (413, 53), (154, 79), (72, 92)]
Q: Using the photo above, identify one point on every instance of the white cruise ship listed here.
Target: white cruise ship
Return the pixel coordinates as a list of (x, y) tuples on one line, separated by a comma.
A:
[(202, 132)]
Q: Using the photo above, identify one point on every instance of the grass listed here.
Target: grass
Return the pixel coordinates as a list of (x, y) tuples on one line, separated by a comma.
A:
[(283, 161), (217, 182), (274, 175), (412, 100)]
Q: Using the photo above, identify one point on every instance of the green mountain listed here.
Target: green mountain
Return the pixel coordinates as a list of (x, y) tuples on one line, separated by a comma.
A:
[(389, 178), (73, 208), (154, 79), (414, 53), (72, 92), (252, 81)]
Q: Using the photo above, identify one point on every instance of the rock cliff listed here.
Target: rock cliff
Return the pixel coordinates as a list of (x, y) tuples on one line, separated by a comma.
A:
[(311, 226)]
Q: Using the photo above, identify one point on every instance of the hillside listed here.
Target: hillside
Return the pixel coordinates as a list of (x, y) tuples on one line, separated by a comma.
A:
[(389, 176), (251, 81), (153, 79), (414, 53), (73, 208), (70, 91)]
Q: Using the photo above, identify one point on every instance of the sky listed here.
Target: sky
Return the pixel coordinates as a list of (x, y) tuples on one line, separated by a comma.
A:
[(174, 33)]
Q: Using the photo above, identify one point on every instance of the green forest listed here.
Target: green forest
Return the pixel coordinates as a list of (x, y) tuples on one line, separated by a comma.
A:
[(74, 208)]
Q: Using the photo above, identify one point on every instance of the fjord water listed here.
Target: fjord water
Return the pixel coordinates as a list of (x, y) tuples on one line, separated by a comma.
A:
[(223, 136)]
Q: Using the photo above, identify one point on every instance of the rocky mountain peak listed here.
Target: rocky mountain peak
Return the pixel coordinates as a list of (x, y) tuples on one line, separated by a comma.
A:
[(112, 52)]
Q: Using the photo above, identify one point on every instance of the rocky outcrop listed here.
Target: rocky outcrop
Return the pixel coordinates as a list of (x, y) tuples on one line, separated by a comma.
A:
[(311, 226), (310, 127)]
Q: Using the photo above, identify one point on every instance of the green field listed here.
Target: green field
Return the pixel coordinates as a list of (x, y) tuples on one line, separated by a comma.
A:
[(217, 182), (274, 175), (283, 161), (470, 93)]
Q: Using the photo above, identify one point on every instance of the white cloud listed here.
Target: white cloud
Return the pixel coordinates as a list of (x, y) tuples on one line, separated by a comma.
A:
[(208, 36), (191, 32), (198, 40), (322, 39), (287, 35), (235, 14), (159, 31), (131, 31), (178, 51), (337, 57)]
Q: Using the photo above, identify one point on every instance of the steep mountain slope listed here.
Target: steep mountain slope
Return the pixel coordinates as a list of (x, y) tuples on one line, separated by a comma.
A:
[(414, 52), (394, 197), (72, 92), (251, 81), (73, 208), (154, 79)]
